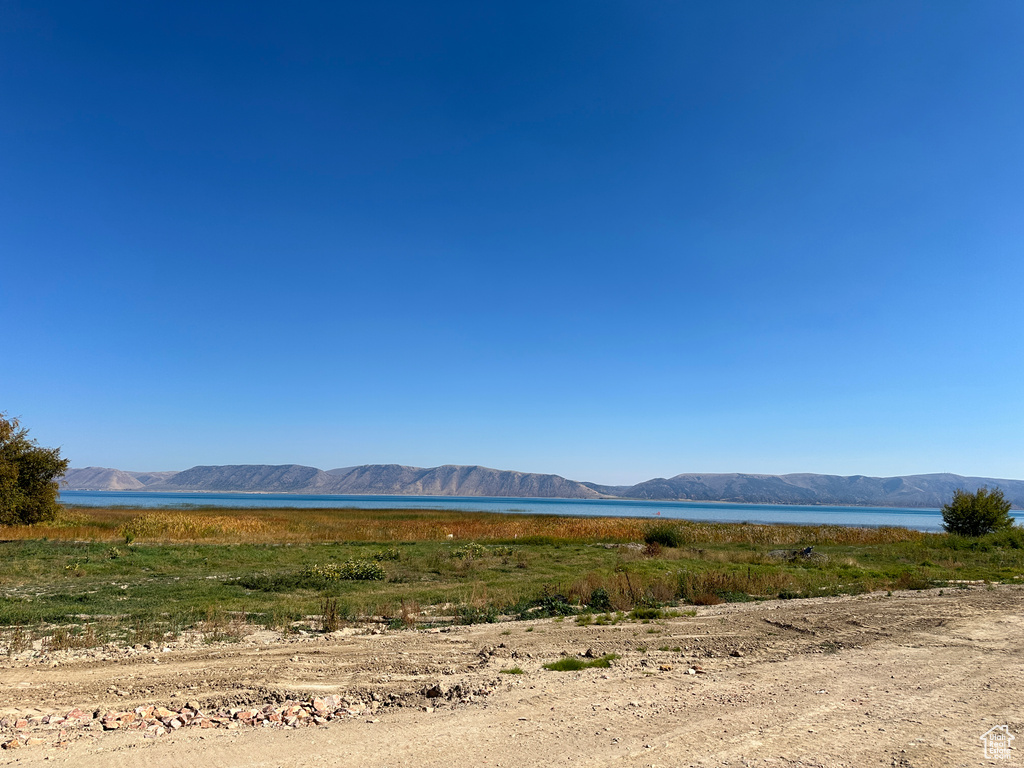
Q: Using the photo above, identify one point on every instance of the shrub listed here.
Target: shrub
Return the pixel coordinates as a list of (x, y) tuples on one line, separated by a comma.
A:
[(975, 514), (550, 603), (350, 570), (600, 600), (665, 535)]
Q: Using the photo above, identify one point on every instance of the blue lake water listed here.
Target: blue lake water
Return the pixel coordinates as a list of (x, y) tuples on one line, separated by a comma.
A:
[(920, 519)]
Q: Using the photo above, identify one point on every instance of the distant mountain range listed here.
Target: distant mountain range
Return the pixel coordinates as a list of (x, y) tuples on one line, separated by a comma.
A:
[(452, 480)]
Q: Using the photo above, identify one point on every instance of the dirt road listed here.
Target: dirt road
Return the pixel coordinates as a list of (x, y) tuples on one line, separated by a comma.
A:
[(911, 679)]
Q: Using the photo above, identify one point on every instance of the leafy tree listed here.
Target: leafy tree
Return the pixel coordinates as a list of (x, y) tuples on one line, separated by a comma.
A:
[(28, 476), (975, 514)]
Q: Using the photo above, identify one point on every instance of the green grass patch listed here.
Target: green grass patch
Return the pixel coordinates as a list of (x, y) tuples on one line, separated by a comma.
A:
[(572, 664)]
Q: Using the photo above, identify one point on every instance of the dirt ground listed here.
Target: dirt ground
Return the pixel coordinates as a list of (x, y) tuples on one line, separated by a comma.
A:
[(908, 679)]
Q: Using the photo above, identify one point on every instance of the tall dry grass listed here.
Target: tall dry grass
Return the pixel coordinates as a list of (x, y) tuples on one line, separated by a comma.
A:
[(220, 525)]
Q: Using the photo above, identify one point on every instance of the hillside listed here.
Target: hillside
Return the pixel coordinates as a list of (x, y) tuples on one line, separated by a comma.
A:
[(101, 479), (452, 480), (252, 478), (456, 480), (905, 491)]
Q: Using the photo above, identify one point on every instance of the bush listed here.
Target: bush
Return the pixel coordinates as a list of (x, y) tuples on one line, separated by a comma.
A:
[(350, 570), (975, 514), (664, 534), (600, 600)]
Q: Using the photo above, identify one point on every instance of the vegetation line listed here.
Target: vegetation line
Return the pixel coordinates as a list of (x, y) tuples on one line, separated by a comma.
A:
[(92, 575)]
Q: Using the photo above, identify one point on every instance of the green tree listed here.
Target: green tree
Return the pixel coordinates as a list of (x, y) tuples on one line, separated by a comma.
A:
[(28, 476), (975, 514)]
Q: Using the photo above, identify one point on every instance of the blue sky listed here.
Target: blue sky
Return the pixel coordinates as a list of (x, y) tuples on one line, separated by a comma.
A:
[(611, 241)]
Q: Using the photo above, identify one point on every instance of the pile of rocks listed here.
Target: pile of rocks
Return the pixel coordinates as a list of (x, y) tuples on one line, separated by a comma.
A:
[(155, 721)]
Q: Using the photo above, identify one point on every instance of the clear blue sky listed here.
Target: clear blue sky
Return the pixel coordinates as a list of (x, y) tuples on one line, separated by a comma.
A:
[(607, 240)]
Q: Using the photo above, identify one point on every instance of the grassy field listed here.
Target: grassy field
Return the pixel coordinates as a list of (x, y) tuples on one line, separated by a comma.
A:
[(132, 575)]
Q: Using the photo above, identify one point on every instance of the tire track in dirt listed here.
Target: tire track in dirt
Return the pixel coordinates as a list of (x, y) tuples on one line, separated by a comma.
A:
[(907, 680)]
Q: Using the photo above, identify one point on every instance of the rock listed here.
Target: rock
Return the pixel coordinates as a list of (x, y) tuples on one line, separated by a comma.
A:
[(433, 692)]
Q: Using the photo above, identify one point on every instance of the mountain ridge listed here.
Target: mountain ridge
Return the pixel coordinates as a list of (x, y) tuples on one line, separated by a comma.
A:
[(803, 488)]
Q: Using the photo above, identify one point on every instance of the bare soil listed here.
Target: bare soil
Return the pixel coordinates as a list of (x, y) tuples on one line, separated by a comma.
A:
[(908, 679)]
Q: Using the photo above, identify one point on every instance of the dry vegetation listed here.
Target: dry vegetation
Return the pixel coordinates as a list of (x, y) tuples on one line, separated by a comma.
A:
[(306, 526)]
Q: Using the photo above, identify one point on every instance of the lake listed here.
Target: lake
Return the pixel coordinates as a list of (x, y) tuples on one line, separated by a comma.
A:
[(919, 519)]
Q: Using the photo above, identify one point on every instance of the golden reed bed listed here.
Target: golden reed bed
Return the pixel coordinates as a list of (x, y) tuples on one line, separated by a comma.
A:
[(289, 525)]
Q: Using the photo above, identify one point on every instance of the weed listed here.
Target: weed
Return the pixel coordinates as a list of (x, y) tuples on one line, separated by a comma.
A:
[(469, 614), (908, 580), (407, 612), (64, 638), (471, 551), (512, 671), (18, 640), (646, 613), (572, 664), (330, 616)]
